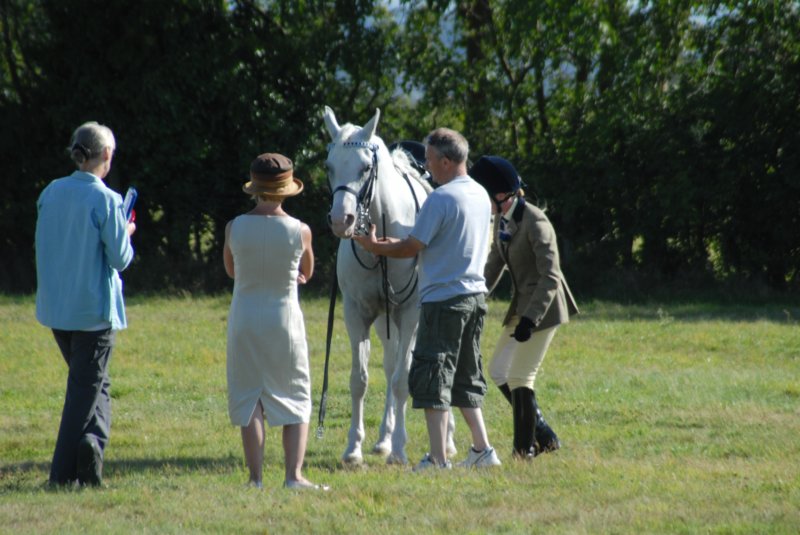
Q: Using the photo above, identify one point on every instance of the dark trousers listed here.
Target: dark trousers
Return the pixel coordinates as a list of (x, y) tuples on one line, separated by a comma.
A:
[(87, 404)]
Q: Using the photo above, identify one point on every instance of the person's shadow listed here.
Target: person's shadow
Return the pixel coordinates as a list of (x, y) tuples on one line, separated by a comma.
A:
[(12, 474)]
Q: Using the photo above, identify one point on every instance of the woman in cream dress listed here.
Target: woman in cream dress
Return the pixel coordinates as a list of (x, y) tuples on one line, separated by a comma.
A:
[(267, 253)]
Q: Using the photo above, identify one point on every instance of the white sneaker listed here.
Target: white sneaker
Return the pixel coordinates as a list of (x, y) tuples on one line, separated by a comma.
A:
[(428, 462), (480, 459)]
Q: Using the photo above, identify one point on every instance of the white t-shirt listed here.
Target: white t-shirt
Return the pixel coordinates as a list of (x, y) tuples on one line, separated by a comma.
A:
[(454, 226)]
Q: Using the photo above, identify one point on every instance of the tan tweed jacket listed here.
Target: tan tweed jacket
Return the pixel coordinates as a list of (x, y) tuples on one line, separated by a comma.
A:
[(540, 291)]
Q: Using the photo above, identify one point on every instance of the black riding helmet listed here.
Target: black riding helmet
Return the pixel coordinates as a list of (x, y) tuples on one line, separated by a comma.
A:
[(496, 175)]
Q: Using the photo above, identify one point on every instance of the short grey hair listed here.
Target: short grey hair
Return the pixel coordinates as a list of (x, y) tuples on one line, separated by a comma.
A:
[(89, 140), (449, 143)]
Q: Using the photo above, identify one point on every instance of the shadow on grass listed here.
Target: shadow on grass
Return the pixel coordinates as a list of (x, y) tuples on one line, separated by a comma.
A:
[(330, 462), (7, 470), (121, 467), (171, 464), (689, 312), (27, 478)]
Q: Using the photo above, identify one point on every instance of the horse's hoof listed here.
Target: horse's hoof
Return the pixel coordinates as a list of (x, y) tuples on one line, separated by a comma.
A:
[(381, 449), (397, 458), (352, 459)]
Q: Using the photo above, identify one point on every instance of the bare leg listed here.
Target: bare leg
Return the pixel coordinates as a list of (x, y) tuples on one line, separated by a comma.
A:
[(253, 442), (437, 433), (295, 438), (474, 419)]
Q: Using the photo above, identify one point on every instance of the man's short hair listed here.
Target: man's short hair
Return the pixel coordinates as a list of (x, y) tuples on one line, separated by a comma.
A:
[(449, 143)]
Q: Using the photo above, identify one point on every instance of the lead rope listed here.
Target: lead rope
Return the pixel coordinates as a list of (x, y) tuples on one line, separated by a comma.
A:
[(323, 402)]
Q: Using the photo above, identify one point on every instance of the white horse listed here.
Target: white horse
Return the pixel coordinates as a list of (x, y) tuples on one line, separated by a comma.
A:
[(369, 184)]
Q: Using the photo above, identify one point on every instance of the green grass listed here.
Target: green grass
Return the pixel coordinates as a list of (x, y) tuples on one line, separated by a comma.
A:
[(674, 418)]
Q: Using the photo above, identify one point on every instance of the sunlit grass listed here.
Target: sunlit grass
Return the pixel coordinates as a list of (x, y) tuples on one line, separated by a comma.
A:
[(675, 418)]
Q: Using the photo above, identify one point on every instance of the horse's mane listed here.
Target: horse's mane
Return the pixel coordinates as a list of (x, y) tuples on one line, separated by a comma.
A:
[(402, 163)]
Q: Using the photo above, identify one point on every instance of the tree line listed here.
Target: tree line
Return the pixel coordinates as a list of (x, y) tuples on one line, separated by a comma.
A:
[(662, 137)]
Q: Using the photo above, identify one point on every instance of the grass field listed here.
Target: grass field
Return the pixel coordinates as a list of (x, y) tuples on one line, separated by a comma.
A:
[(674, 418)]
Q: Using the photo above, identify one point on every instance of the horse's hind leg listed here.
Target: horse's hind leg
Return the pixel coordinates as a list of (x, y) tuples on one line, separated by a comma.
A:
[(358, 331), (405, 334)]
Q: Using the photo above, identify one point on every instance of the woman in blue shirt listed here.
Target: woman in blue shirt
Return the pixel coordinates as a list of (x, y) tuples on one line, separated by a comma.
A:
[(82, 242)]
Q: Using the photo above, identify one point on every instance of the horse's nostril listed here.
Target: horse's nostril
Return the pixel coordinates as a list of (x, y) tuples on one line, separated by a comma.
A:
[(349, 219), (330, 219)]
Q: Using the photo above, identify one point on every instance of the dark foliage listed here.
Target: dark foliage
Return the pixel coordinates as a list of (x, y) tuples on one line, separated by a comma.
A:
[(662, 138)]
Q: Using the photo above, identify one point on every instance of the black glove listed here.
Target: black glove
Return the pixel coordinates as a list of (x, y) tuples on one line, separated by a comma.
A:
[(523, 330)]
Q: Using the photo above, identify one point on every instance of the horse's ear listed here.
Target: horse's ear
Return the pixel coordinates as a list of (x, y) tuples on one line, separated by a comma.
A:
[(369, 129), (330, 122)]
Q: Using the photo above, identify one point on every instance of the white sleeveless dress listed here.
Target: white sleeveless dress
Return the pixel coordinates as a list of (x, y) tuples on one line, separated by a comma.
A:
[(267, 356)]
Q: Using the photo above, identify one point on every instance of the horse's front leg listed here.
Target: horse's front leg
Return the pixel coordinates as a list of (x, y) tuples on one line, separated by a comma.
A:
[(358, 331), (383, 446)]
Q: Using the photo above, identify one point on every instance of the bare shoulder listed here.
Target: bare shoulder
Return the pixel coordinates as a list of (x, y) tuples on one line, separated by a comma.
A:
[(305, 231)]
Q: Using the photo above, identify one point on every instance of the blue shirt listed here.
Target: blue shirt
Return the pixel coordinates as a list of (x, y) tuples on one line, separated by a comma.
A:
[(454, 226), (81, 243)]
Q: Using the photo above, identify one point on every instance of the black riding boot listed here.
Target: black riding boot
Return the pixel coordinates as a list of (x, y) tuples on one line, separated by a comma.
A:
[(525, 417), (546, 438), (506, 393)]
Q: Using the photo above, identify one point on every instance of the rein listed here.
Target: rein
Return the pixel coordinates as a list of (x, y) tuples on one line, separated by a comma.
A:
[(323, 402)]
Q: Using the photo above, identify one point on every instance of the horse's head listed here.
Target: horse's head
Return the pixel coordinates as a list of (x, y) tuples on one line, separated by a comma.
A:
[(352, 165)]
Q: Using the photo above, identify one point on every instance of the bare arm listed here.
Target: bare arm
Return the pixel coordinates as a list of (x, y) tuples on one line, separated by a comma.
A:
[(307, 259), (391, 247), (227, 255)]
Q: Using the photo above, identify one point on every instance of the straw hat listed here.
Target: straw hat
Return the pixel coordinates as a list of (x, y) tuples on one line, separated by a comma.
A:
[(271, 174)]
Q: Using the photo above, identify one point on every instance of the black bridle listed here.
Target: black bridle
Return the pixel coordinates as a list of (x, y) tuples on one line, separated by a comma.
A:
[(365, 193), (364, 197)]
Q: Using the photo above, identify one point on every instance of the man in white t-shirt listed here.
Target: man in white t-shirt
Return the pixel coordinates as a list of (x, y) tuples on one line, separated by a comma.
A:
[(451, 237)]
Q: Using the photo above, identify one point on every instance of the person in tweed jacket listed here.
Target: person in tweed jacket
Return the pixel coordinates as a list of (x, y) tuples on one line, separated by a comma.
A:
[(524, 244)]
